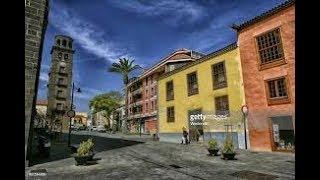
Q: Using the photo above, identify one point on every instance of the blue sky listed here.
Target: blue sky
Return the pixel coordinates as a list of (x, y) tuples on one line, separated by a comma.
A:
[(145, 31)]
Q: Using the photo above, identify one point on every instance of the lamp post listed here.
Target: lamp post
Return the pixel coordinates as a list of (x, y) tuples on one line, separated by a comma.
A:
[(245, 111), (71, 112)]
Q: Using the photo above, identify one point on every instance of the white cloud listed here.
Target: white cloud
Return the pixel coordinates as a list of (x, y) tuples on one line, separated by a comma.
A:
[(45, 67), (179, 11), (87, 35), (44, 76)]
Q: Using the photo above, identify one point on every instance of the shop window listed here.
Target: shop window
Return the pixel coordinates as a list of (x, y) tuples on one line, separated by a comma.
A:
[(283, 133)]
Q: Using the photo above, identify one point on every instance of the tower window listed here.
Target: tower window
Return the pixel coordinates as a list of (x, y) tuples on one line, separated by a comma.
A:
[(59, 93), (64, 43), (62, 69), (70, 45), (59, 106), (60, 55), (58, 42), (60, 81), (66, 56)]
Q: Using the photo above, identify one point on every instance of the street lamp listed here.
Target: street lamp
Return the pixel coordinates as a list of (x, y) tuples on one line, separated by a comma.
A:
[(71, 112), (245, 111)]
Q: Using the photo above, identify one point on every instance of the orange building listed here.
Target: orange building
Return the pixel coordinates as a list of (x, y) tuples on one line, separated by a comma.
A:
[(267, 51)]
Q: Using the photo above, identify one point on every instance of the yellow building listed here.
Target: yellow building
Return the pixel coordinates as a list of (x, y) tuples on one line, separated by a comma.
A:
[(41, 106), (193, 96), (81, 118)]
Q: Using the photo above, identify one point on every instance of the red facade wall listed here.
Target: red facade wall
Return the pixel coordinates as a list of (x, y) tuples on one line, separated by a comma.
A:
[(149, 95), (259, 124), (151, 124)]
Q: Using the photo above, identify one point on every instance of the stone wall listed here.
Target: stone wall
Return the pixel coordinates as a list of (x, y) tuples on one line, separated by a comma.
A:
[(36, 19)]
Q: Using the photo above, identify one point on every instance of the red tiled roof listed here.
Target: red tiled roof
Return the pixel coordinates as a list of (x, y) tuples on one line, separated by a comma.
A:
[(42, 102), (225, 49), (264, 15), (163, 60)]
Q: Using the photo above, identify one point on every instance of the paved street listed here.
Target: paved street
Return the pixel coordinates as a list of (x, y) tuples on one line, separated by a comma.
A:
[(123, 158)]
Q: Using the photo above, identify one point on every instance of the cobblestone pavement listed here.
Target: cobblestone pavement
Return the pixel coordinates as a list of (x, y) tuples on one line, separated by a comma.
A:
[(160, 160)]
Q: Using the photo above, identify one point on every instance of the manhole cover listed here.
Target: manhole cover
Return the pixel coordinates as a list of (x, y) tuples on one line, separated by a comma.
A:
[(250, 175), (175, 166)]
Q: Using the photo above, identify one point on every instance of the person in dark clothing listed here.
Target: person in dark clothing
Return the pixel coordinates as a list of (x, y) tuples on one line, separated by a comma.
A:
[(184, 136)]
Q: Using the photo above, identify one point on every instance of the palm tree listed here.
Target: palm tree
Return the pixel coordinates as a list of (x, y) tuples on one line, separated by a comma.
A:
[(124, 67)]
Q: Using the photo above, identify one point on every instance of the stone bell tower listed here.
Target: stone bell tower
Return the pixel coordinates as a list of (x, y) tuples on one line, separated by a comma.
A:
[(60, 82)]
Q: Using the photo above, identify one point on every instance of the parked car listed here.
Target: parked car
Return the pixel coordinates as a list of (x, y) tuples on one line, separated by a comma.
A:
[(82, 128), (93, 128), (101, 129), (73, 127)]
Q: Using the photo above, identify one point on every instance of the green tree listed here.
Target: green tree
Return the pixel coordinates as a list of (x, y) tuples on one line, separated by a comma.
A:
[(124, 67), (106, 102), (40, 120)]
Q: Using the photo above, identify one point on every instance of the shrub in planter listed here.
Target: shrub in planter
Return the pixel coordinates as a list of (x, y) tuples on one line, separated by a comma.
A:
[(84, 152), (228, 151), (213, 147)]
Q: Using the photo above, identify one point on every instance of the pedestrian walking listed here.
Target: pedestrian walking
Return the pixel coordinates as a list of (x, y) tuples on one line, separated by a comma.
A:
[(184, 136)]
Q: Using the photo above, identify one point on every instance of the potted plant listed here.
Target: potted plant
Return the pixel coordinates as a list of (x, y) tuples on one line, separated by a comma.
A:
[(228, 151), (84, 152), (213, 147)]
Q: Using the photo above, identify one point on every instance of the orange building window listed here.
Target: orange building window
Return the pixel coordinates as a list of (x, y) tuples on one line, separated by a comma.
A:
[(270, 49), (277, 91)]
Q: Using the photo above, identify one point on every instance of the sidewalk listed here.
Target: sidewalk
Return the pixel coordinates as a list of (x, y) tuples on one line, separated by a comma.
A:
[(117, 135)]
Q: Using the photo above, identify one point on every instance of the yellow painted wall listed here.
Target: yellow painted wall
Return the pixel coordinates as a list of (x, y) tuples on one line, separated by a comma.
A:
[(205, 98)]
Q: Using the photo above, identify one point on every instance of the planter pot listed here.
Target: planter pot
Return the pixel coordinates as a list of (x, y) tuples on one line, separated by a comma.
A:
[(229, 156), (213, 152), (82, 160)]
